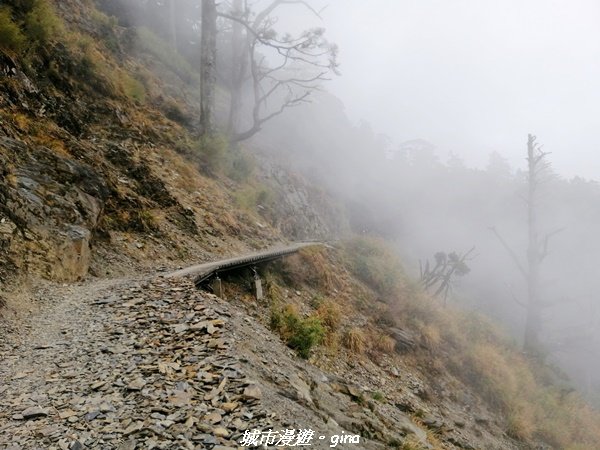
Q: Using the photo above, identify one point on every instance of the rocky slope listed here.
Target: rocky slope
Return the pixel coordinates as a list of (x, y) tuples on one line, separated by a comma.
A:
[(125, 363), (122, 191), (149, 362)]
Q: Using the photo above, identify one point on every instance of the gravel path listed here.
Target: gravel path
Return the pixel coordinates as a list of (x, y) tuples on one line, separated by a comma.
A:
[(153, 363), (124, 364)]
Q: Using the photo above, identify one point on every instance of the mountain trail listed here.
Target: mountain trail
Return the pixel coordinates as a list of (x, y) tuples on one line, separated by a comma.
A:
[(124, 364)]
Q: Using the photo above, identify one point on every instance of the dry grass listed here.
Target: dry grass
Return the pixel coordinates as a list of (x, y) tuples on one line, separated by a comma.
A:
[(479, 354), (385, 344), (409, 443), (312, 267), (51, 142), (332, 342), (273, 290), (21, 121), (469, 346), (521, 423), (430, 337), (354, 339), (330, 314), (372, 261)]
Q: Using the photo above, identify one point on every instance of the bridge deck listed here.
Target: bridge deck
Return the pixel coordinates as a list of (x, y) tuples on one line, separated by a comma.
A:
[(206, 270)]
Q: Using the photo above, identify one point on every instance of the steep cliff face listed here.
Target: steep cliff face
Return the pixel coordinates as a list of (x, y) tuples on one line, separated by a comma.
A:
[(54, 205), (301, 210), (94, 178)]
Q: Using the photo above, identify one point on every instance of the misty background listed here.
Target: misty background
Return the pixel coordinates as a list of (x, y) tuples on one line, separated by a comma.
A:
[(474, 77), (423, 137), (424, 134)]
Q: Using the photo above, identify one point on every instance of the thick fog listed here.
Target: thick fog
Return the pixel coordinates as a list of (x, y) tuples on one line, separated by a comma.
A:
[(424, 136), (472, 76)]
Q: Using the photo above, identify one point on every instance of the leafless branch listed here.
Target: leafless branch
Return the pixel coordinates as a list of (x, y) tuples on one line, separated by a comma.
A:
[(546, 240), (511, 252)]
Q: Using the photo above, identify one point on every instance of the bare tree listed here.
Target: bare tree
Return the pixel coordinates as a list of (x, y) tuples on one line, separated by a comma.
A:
[(536, 164), (208, 60), (282, 70), (537, 250), (239, 64)]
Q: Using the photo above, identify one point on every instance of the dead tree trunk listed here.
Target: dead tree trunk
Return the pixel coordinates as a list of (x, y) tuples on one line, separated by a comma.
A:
[(239, 66), (535, 253), (208, 60), (537, 248)]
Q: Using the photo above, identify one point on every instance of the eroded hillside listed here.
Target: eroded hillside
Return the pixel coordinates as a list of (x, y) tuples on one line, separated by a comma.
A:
[(96, 177)]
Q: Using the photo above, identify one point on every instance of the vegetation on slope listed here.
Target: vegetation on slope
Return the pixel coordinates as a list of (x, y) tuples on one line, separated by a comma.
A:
[(534, 399), (360, 294)]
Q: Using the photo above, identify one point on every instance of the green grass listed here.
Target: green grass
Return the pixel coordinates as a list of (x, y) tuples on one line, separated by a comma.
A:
[(11, 37), (134, 89), (211, 152), (378, 396)]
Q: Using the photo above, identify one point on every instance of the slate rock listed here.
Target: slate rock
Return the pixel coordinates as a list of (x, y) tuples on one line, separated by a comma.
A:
[(252, 392), (34, 412)]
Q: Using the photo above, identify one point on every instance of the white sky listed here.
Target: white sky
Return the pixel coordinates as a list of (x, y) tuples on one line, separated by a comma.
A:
[(473, 76)]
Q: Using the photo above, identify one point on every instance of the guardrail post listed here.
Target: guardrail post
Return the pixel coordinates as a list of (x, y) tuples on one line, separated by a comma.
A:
[(258, 290), (217, 287)]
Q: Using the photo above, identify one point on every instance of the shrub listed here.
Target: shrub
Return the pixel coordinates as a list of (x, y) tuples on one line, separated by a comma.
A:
[(242, 166), (42, 24), (299, 334), (211, 150), (84, 62), (250, 197), (317, 301), (308, 333), (11, 37), (102, 20), (106, 27)]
